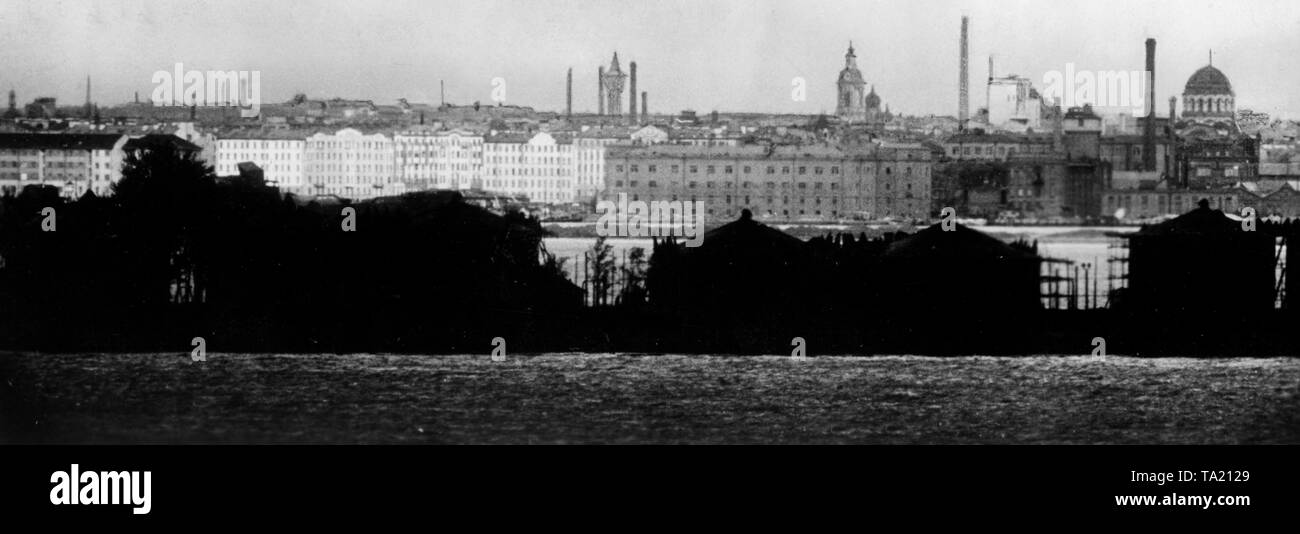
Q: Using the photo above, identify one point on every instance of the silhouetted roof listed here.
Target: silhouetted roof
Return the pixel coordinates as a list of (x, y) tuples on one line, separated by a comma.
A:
[(749, 234), (154, 141), (960, 243), (1199, 221), (58, 141)]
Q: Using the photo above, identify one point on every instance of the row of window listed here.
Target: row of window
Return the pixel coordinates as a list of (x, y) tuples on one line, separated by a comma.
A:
[(745, 185), (887, 205), (273, 145), (771, 169)]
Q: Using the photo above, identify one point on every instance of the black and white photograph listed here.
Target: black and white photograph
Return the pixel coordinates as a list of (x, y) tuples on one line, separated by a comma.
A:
[(956, 233)]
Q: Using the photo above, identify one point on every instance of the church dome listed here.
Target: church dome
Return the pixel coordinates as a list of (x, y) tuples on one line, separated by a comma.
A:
[(1208, 81), (873, 100)]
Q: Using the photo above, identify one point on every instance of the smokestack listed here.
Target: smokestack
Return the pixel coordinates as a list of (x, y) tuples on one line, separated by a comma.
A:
[(1173, 103), (645, 113), (1171, 159), (442, 93), (1149, 135), (137, 97), (568, 95), (988, 90), (632, 107), (963, 105), (600, 90)]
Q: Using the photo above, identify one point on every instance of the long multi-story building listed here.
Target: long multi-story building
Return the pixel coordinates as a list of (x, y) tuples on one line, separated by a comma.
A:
[(350, 164), (75, 163), (589, 160), (1137, 204), (278, 153), (539, 166), (439, 159), (777, 182), (997, 147)]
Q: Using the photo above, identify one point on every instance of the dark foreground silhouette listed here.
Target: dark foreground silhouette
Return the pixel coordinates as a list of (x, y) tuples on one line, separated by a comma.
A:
[(177, 254)]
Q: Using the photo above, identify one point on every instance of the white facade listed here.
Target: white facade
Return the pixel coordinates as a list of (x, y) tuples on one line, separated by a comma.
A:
[(106, 169), (1013, 104), (75, 163), (351, 165), (540, 168), (442, 160), (281, 160), (589, 162), (650, 135)]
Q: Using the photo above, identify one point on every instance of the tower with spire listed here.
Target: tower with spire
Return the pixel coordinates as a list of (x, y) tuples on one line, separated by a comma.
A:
[(851, 105), (614, 78)]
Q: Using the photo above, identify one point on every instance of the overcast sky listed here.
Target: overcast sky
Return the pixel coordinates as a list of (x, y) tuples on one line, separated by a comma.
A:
[(691, 54)]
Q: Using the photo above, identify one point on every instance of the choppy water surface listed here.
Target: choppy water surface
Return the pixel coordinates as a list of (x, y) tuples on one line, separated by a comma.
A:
[(605, 398)]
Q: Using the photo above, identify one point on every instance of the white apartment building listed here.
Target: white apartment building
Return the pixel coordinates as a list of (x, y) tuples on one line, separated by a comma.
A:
[(279, 155), (440, 160), (75, 163), (589, 162), (351, 164), (538, 166)]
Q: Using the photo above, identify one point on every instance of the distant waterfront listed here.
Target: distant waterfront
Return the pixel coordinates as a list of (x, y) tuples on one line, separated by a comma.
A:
[(1080, 244)]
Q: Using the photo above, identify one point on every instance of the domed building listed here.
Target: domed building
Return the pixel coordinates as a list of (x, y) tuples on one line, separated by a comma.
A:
[(873, 100), (1208, 95), (851, 105)]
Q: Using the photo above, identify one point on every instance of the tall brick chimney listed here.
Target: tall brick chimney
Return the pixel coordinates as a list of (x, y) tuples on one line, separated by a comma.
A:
[(963, 81), (1149, 133), (600, 90)]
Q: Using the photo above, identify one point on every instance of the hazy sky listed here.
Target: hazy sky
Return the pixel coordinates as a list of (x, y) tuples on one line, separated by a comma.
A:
[(691, 54)]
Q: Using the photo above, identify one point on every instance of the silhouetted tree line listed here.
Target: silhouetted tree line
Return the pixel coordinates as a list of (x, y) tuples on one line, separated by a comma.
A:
[(1206, 288), (751, 288), (174, 254)]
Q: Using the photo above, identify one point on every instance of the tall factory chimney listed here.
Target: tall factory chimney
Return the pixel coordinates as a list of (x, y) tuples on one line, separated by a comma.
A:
[(632, 108), (600, 90), (963, 105), (988, 88), (1149, 133), (645, 113), (1171, 154), (89, 111), (568, 95), (1173, 104)]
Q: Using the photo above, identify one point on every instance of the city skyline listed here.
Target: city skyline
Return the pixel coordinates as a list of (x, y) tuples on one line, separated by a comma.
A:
[(908, 52)]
